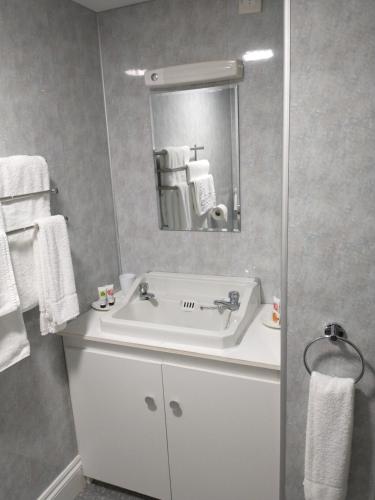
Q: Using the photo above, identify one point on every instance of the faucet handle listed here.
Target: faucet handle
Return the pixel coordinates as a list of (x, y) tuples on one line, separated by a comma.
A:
[(143, 287), (234, 297)]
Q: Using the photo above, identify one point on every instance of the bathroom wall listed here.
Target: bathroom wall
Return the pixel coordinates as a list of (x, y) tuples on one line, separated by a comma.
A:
[(332, 206), (51, 103), (169, 32)]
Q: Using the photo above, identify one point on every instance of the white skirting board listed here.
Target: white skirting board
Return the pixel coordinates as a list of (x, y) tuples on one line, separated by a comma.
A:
[(68, 484)]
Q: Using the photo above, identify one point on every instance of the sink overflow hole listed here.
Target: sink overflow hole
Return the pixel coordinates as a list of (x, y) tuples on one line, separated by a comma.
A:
[(187, 305)]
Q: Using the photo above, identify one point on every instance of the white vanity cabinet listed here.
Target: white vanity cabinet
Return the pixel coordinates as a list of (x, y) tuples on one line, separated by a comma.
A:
[(121, 435), (223, 435), (171, 430)]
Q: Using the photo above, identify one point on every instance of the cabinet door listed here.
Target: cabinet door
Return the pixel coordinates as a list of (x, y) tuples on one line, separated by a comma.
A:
[(223, 435), (120, 421)]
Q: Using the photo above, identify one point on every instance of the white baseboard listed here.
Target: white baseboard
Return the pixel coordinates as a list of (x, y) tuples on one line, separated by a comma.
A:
[(68, 484)]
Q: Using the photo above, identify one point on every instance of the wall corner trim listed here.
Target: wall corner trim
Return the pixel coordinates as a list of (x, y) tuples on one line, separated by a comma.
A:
[(284, 242), (68, 484)]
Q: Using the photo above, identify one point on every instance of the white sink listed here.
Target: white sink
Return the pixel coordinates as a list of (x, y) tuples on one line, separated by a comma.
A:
[(177, 314)]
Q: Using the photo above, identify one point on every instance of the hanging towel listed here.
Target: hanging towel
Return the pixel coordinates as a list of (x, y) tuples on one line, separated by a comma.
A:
[(9, 299), (174, 157), (198, 222), (14, 344), (197, 169), (204, 196), (328, 437), (58, 301), (176, 203), (22, 175)]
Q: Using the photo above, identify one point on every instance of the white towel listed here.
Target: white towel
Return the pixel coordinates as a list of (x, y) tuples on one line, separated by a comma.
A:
[(174, 157), (196, 169), (21, 175), (328, 437), (176, 204), (9, 299), (204, 196), (58, 301), (14, 345)]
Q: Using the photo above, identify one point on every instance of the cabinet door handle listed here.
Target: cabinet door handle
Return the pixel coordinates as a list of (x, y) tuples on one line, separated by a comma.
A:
[(150, 402), (176, 408)]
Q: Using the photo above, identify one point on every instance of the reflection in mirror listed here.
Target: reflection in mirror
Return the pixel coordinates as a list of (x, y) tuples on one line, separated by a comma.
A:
[(196, 157)]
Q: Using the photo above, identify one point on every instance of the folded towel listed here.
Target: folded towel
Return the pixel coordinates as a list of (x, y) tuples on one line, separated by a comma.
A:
[(176, 204), (58, 301), (204, 196), (328, 437), (197, 169), (21, 175), (14, 345)]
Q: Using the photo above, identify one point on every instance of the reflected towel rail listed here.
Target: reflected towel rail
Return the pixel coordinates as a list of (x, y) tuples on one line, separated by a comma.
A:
[(5, 199), (26, 228), (164, 152), (171, 170)]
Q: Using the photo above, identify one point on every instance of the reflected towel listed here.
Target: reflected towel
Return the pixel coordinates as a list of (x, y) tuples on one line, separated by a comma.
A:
[(58, 302), (175, 208), (197, 169), (176, 203), (328, 437), (204, 196)]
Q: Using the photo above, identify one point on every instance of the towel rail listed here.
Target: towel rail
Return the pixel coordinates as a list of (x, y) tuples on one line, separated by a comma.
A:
[(335, 332), (26, 228), (5, 199)]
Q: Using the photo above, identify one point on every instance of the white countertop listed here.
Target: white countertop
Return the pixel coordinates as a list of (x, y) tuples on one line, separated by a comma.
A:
[(259, 347)]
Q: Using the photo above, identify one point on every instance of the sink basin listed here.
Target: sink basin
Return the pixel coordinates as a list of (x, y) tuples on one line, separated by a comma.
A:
[(183, 311)]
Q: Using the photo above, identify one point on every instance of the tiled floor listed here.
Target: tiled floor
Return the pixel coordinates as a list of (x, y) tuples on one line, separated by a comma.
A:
[(101, 491)]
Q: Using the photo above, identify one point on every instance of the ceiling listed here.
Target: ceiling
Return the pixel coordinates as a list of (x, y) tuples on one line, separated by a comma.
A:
[(100, 5)]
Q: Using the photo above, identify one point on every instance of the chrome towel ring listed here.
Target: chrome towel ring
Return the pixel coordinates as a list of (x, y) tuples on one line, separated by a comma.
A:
[(335, 332)]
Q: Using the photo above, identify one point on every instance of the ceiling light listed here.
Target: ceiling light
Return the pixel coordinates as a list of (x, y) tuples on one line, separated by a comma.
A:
[(257, 55), (135, 72)]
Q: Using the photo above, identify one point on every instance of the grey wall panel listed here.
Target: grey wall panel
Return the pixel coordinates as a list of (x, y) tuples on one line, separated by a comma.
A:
[(169, 32), (332, 206), (51, 104)]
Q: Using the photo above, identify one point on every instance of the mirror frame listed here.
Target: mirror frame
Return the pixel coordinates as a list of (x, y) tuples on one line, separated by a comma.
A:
[(235, 164)]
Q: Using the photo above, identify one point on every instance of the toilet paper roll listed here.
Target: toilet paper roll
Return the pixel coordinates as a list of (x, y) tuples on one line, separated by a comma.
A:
[(220, 213)]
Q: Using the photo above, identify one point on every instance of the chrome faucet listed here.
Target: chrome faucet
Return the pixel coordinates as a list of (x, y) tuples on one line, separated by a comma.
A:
[(233, 304), (144, 294)]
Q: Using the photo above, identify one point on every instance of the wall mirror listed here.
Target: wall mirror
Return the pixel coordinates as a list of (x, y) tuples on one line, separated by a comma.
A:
[(196, 158)]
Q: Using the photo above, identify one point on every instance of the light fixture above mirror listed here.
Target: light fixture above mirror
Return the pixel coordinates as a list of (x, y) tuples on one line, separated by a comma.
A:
[(196, 73)]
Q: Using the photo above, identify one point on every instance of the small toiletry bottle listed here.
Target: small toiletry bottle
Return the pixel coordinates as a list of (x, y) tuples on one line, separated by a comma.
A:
[(276, 311), (102, 291), (110, 295)]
